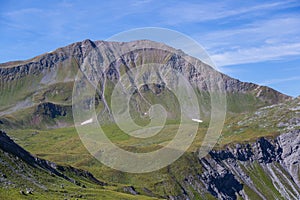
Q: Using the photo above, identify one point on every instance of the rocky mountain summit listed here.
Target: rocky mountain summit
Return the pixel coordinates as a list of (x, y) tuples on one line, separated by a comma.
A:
[(49, 78), (118, 55)]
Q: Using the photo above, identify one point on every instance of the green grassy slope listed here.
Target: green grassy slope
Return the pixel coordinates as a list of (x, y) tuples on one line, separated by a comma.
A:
[(18, 176)]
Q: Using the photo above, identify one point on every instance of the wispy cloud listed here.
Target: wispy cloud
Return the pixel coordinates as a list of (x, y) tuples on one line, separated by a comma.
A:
[(140, 2), (206, 11), (256, 54), (261, 40), (21, 12), (273, 30), (280, 80), (260, 32)]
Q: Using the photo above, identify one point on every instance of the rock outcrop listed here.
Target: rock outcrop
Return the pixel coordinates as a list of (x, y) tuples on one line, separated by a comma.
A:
[(265, 169)]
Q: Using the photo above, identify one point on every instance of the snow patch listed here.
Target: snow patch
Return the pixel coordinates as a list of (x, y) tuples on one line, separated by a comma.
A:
[(87, 121), (197, 120)]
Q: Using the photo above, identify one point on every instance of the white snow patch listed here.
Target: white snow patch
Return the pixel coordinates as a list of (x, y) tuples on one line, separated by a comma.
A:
[(87, 121), (197, 120)]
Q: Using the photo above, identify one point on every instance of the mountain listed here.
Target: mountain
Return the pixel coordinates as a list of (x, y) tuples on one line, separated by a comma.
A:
[(35, 91), (256, 157)]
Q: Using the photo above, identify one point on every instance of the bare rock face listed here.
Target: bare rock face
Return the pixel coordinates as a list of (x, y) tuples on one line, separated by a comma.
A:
[(130, 190), (290, 156), (226, 173), (219, 181)]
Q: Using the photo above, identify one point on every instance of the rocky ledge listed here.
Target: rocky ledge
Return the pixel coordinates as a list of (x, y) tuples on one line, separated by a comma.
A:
[(267, 168)]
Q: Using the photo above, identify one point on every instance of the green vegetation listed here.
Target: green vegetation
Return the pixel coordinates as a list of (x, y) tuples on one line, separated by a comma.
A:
[(70, 192), (23, 177), (63, 146), (54, 138), (263, 182)]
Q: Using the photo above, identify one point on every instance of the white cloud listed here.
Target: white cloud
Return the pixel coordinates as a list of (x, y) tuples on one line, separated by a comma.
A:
[(280, 80), (262, 40), (21, 12), (271, 31), (205, 11), (256, 54)]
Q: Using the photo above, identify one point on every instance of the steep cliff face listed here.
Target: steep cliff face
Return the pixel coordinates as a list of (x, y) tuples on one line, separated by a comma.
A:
[(265, 169), (262, 169)]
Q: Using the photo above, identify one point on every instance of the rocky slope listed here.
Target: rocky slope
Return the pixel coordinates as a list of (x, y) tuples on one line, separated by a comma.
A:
[(267, 168), (49, 78), (118, 55)]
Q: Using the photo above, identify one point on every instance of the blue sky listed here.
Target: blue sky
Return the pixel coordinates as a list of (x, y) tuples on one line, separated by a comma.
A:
[(254, 41)]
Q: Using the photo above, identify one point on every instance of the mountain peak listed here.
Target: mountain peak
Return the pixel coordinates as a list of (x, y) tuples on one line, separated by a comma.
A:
[(62, 65)]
